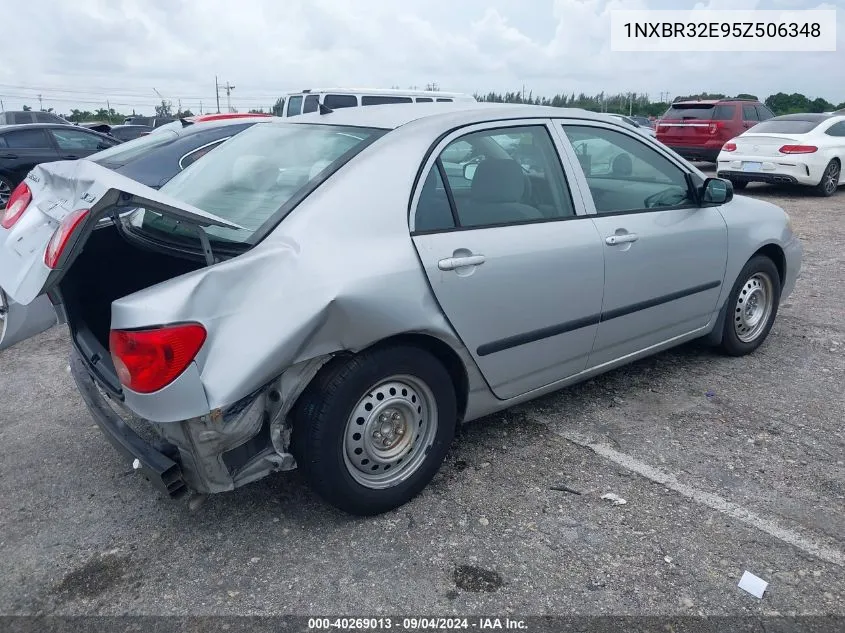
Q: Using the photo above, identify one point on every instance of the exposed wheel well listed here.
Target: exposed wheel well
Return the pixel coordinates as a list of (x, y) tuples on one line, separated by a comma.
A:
[(445, 354), (775, 253)]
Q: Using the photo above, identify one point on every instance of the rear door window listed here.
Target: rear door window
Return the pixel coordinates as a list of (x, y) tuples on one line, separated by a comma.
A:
[(444, 101), (837, 129), (340, 101), (28, 139), (724, 112), (749, 113), (294, 105), (76, 139), (424, 100), (764, 113), (382, 100)]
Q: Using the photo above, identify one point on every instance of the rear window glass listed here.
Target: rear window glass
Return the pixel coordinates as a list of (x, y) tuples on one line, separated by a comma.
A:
[(381, 100), (251, 177), (444, 101), (294, 105), (129, 151), (424, 100), (340, 101), (786, 127)]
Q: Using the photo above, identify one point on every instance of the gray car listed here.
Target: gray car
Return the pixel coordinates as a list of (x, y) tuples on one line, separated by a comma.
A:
[(321, 293)]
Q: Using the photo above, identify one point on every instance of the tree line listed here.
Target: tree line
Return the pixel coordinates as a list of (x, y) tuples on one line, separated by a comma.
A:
[(640, 104), (620, 103)]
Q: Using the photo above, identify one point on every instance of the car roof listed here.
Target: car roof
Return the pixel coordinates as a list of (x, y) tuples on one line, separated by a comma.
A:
[(380, 92), (809, 116), (456, 113), (32, 126), (198, 126)]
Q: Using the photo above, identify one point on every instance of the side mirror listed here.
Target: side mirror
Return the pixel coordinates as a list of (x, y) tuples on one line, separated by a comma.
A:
[(469, 170), (717, 191)]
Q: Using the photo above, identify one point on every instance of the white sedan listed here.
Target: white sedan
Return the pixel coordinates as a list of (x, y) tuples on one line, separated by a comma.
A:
[(803, 149)]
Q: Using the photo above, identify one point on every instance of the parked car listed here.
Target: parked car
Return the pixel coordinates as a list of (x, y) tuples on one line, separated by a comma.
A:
[(151, 121), (644, 121), (125, 133), (152, 162), (804, 149), (98, 126), (642, 129), (697, 130), (24, 146), (316, 293), (306, 101), (208, 118), (21, 117)]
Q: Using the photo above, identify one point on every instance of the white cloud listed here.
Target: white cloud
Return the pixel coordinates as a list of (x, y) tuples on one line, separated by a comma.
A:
[(120, 50)]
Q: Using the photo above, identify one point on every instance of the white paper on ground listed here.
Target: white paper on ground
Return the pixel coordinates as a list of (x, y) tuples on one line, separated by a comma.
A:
[(752, 584)]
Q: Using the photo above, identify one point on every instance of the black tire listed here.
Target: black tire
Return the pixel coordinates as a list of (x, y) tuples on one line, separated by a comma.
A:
[(320, 437), (6, 187), (735, 335), (830, 179), (739, 184)]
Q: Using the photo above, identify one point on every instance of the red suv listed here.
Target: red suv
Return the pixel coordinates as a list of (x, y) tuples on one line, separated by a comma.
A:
[(697, 129)]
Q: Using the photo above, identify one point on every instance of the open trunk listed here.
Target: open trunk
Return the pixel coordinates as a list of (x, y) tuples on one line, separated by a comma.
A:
[(110, 267)]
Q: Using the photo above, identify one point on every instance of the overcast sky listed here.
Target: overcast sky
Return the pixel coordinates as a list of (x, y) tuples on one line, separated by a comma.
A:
[(81, 53)]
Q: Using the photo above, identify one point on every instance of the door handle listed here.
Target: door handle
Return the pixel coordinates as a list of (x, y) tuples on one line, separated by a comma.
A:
[(9, 156), (451, 263), (625, 238), (71, 157)]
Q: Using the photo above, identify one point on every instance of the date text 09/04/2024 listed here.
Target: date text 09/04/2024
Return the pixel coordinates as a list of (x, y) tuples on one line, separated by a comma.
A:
[(416, 624)]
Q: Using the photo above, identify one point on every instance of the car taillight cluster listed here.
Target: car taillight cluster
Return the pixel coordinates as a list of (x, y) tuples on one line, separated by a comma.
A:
[(729, 147), (62, 236), (798, 149), (716, 126), (149, 360), (18, 203)]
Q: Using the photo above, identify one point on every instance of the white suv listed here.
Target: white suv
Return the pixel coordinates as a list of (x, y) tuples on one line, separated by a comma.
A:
[(306, 101)]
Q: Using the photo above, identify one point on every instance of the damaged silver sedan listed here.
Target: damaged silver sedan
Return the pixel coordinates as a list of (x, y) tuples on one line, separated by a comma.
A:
[(338, 291)]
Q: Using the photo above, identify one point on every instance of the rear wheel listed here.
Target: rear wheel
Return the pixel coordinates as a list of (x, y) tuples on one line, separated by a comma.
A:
[(6, 188), (752, 307), (372, 430), (830, 179)]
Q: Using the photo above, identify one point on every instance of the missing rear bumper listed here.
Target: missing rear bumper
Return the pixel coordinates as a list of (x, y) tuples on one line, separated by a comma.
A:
[(159, 469)]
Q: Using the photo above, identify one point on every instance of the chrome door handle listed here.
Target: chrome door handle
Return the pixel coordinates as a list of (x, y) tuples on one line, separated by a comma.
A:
[(625, 238), (451, 263)]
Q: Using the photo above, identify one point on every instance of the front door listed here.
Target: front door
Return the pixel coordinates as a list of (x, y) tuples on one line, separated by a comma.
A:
[(514, 263), (664, 256)]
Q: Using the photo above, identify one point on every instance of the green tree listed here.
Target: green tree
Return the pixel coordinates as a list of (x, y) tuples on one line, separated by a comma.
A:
[(26, 108), (278, 107)]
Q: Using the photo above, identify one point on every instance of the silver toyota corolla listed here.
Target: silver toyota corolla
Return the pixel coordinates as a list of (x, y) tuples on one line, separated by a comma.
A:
[(338, 291)]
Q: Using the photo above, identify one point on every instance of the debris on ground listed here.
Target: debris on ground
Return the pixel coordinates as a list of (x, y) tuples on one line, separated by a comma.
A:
[(752, 584), (563, 488), (616, 499)]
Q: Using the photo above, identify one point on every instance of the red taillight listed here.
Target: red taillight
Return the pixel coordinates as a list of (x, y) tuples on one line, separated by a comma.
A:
[(18, 202), (729, 147), (60, 238), (716, 126), (149, 360), (798, 149)]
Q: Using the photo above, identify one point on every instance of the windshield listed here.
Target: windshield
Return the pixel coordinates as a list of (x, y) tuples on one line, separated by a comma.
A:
[(254, 174), (794, 126), (124, 153)]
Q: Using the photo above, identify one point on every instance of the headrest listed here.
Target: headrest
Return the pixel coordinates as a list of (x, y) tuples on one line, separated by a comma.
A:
[(498, 180)]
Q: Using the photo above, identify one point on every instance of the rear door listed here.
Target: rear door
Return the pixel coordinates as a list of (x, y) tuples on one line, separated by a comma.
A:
[(23, 149), (60, 190), (750, 116), (73, 143), (664, 256), (511, 257)]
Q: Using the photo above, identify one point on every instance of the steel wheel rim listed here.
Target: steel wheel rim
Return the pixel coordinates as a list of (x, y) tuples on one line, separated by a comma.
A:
[(5, 194), (389, 432), (832, 178), (753, 307)]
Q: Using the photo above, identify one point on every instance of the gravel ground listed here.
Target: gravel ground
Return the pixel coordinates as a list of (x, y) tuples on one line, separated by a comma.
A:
[(726, 465)]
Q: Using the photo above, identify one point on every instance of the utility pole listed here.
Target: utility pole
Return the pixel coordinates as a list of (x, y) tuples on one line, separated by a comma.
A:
[(217, 92), (228, 88), (200, 107), (40, 104)]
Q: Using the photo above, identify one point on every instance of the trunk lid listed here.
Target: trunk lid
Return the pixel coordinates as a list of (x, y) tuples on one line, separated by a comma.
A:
[(60, 188), (766, 145)]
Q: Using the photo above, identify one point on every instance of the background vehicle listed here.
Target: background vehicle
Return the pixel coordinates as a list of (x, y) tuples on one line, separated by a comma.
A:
[(298, 319), (151, 121), (22, 147), (207, 118), (21, 117), (125, 133), (804, 149), (644, 121), (155, 158), (697, 130), (642, 129), (306, 101)]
